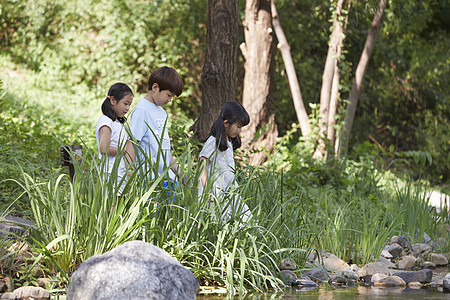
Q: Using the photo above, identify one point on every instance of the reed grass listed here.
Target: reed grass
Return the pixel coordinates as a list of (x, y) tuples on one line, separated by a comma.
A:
[(291, 216)]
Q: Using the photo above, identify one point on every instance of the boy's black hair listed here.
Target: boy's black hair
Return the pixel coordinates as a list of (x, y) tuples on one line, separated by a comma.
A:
[(233, 112), (167, 78), (118, 91)]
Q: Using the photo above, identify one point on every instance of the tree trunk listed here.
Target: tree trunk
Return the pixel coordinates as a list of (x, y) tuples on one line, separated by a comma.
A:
[(334, 49), (257, 50), (360, 71), (219, 69), (285, 50)]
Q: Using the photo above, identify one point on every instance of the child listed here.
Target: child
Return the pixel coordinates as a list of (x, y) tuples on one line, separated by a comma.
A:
[(217, 153), (110, 133), (148, 123)]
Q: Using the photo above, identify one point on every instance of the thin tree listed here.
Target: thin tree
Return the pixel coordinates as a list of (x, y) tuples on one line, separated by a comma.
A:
[(285, 50), (360, 71), (219, 70), (330, 79), (257, 50)]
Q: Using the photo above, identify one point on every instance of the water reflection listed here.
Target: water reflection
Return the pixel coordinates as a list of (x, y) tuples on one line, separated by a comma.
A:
[(325, 292)]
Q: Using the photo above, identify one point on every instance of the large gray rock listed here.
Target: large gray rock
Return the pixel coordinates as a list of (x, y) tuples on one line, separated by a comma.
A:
[(373, 268), (390, 281), (317, 274), (133, 270), (407, 262), (288, 264), (394, 249), (421, 250), (422, 276), (402, 240), (446, 282), (438, 259), (386, 261), (333, 263)]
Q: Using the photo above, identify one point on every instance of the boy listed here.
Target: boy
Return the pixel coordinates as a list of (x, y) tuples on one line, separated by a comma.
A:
[(148, 122)]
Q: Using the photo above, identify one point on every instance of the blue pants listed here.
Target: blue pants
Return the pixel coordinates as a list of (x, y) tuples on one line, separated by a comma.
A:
[(168, 191)]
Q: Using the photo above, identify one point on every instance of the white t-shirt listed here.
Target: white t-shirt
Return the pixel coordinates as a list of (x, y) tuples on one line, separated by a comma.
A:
[(148, 124), (220, 166), (118, 139)]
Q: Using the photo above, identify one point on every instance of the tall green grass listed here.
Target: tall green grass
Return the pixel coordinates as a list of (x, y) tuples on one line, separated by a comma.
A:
[(352, 216)]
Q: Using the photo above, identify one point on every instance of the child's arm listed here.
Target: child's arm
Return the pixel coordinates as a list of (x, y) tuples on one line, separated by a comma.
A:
[(176, 169), (130, 155), (105, 140), (204, 176)]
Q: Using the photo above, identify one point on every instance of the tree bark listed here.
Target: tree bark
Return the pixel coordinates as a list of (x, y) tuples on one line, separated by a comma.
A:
[(257, 50), (329, 72), (285, 50), (219, 70), (360, 71)]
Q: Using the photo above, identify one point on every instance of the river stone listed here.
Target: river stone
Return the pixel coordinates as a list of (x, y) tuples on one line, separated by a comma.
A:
[(415, 285), (14, 226), (402, 240), (373, 268), (333, 263), (288, 264), (305, 282), (354, 268), (390, 281), (446, 282), (438, 259), (423, 276), (407, 262), (133, 270), (288, 276), (426, 239), (386, 261), (350, 274), (394, 249), (377, 277), (317, 274), (31, 292), (427, 265), (386, 254), (421, 250)]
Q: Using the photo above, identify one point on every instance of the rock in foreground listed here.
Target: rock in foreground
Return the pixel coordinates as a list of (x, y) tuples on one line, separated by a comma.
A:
[(133, 270)]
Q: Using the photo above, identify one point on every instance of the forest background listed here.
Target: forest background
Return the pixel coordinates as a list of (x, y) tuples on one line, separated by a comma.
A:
[(59, 58)]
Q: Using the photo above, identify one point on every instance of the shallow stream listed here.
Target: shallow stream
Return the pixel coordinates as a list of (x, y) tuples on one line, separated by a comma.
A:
[(326, 292)]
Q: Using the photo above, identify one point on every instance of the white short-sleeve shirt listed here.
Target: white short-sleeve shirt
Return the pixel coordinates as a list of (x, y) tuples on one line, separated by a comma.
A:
[(118, 139), (148, 124), (220, 166)]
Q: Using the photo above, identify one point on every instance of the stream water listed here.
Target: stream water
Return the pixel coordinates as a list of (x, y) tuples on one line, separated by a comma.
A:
[(326, 292)]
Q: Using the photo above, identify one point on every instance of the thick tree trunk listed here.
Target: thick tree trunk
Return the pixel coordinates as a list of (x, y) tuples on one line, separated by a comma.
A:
[(219, 70), (261, 133), (285, 50), (360, 71), (334, 50)]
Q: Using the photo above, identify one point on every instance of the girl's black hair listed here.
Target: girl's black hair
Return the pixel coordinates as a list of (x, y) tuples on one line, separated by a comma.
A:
[(118, 91), (233, 112)]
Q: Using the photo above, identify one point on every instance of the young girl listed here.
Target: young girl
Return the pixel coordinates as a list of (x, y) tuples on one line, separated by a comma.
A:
[(217, 153), (110, 133)]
